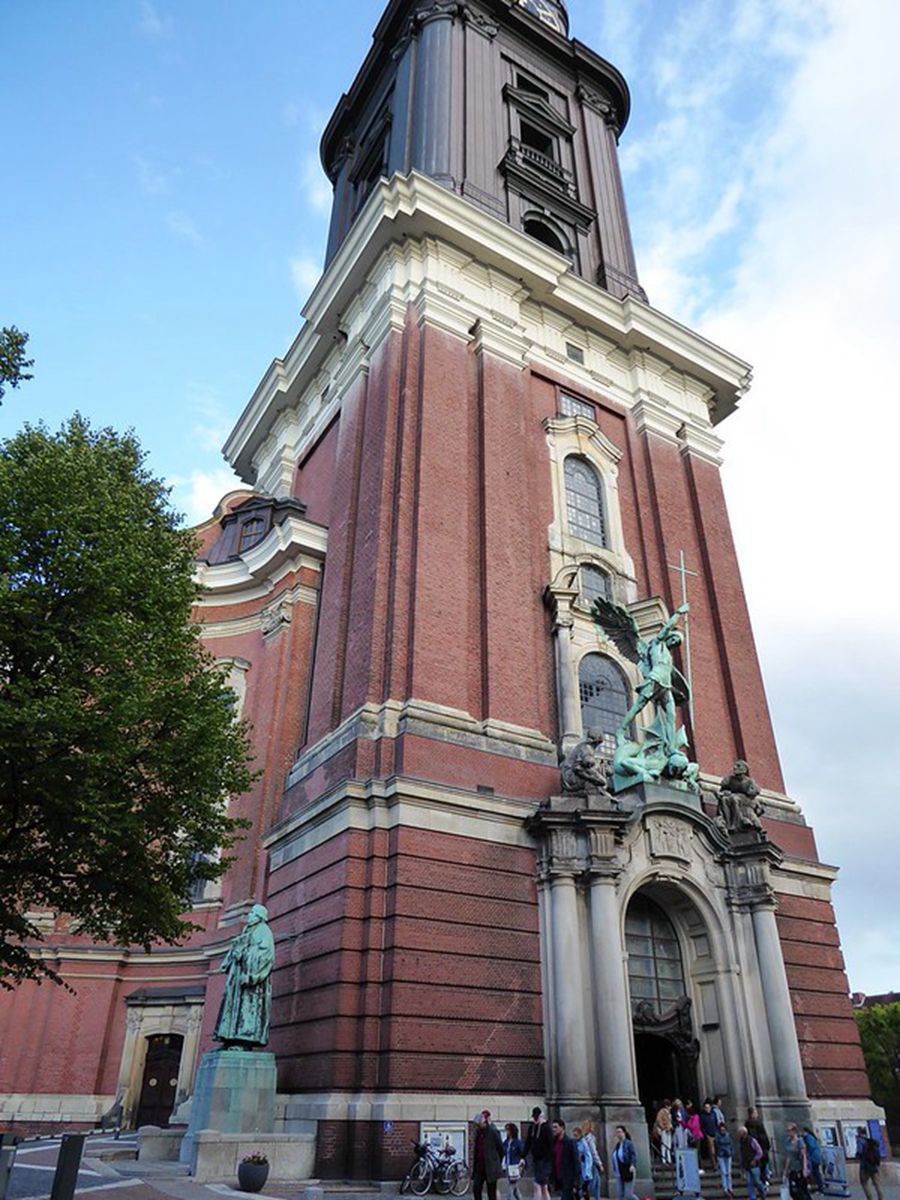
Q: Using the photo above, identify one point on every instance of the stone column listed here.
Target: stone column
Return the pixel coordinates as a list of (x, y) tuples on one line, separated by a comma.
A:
[(779, 1011), (612, 1016), (560, 600), (570, 1024), (758, 1047), (434, 92)]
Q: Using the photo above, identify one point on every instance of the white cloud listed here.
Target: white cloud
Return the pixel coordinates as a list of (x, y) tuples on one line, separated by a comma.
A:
[(153, 181), (153, 24), (212, 423), (305, 273), (198, 494), (315, 185), (764, 200), (182, 226)]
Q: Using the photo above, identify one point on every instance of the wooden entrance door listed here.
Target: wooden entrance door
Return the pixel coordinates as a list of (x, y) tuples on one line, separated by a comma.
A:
[(160, 1082)]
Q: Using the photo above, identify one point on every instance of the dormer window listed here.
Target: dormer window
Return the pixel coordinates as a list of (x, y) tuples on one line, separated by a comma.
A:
[(253, 531)]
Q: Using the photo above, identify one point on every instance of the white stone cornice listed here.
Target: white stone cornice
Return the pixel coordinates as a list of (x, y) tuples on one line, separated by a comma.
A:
[(652, 415), (700, 443), (417, 243), (292, 543)]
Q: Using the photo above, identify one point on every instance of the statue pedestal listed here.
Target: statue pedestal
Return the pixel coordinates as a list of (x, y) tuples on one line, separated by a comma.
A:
[(644, 795), (234, 1093)]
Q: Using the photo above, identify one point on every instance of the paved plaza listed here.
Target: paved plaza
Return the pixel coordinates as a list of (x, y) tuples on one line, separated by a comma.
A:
[(32, 1177)]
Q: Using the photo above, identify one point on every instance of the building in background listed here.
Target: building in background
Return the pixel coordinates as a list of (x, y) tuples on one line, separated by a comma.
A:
[(481, 426)]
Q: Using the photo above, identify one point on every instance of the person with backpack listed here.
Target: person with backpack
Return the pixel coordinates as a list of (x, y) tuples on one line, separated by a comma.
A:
[(750, 1157), (814, 1158), (869, 1152), (539, 1144), (624, 1158), (757, 1130)]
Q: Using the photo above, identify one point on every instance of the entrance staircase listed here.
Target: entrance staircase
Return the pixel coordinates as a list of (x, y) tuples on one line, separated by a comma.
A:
[(710, 1184)]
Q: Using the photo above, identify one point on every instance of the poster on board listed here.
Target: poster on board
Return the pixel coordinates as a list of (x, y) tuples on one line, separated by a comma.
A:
[(834, 1172), (441, 1134), (687, 1173)]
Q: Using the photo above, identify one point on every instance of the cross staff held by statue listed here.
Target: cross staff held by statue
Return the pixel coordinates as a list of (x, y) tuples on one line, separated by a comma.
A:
[(683, 571)]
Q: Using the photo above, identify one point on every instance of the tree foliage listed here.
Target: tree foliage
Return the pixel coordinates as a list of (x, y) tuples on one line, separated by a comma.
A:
[(13, 363), (879, 1031), (118, 746)]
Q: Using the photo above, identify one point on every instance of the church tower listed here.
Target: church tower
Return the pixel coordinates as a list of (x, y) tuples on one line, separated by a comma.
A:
[(481, 429)]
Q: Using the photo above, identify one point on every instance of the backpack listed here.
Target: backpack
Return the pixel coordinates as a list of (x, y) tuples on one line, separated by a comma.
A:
[(872, 1154)]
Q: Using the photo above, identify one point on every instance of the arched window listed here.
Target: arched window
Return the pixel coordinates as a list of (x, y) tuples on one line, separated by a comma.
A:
[(584, 502), (594, 583), (252, 533), (543, 233), (605, 697), (655, 970)]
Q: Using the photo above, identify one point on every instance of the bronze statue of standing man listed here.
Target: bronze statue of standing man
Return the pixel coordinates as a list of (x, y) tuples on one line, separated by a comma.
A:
[(244, 1016)]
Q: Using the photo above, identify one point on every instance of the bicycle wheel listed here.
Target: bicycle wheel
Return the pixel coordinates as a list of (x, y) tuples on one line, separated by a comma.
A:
[(419, 1178), (442, 1178), (459, 1179)]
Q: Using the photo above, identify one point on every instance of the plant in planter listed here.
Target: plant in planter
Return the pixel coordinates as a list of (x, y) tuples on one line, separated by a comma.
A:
[(253, 1171)]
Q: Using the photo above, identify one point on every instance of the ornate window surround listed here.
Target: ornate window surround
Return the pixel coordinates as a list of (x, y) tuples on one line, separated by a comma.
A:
[(581, 437)]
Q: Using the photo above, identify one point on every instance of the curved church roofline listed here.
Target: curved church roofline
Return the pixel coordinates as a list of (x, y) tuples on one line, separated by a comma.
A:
[(587, 65)]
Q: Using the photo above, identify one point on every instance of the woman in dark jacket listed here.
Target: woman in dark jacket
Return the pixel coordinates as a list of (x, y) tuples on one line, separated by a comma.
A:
[(624, 1158)]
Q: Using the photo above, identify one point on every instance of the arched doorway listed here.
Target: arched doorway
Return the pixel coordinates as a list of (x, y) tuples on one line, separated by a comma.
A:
[(666, 1049), (160, 1082)]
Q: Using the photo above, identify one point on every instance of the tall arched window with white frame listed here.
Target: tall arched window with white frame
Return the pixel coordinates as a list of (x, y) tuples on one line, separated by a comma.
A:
[(585, 507), (605, 697)]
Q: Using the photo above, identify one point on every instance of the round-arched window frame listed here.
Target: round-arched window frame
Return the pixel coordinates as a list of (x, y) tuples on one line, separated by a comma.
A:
[(605, 697), (655, 965), (585, 504)]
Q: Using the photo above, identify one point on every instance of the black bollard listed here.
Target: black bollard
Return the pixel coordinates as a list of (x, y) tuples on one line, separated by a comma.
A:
[(66, 1177), (8, 1143)]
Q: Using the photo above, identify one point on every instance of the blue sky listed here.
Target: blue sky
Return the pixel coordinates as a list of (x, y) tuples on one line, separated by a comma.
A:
[(163, 217)]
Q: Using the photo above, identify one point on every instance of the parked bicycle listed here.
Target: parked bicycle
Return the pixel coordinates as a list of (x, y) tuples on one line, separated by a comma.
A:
[(440, 1169)]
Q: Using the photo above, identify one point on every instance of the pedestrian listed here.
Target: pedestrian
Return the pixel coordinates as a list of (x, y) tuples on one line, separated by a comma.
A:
[(718, 1112), (566, 1169), (695, 1132), (724, 1152), (623, 1162), (679, 1125), (488, 1156), (587, 1131), (757, 1130), (796, 1164), (869, 1153), (709, 1127), (750, 1157), (585, 1165), (539, 1144), (813, 1158), (513, 1156), (662, 1127)]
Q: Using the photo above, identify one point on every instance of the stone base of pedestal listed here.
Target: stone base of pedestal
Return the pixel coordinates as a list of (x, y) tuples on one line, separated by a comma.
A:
[(234, 1094), (291, 1156)]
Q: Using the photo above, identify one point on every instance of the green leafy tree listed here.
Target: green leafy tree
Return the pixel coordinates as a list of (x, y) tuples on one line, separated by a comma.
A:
[(13, 363), (118, 745), (879, 1031)]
